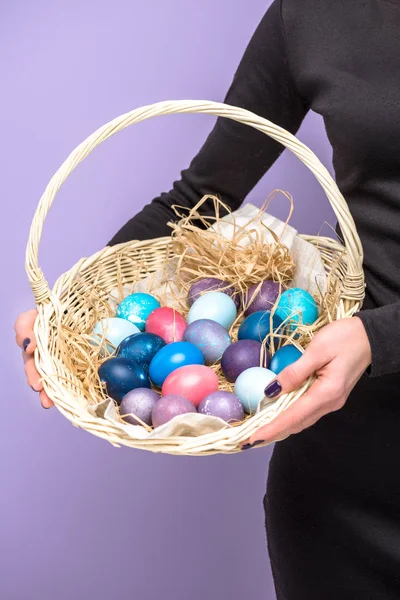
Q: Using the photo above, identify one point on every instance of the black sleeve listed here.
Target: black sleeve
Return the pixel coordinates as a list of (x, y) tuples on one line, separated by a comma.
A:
[(235, 156)]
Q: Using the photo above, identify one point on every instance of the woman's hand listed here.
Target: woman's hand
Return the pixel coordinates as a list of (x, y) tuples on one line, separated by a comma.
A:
[(339, 355), (26, 340)]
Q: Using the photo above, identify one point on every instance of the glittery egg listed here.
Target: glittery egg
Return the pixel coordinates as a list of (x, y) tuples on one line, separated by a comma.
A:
[(136, 308), (295, 307), (139, 402), (194, 382), (169, 407), (261, 297), (284, 357), (257, 326), (210, 337), (172, 357), (224, 405), (112, 330), (250, 386), (241, 356), (214, 306), (212, 284), (167, 323), (120, 376), (141, 348)]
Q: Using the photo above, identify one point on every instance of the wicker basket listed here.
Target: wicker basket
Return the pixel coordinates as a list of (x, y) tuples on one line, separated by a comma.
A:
[(100, 270)]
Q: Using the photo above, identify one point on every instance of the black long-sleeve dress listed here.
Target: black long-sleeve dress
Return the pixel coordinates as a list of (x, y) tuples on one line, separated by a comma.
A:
[(333, 497)]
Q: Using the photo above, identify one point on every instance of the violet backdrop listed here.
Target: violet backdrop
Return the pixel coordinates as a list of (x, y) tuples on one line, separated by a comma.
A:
[(80, 519)]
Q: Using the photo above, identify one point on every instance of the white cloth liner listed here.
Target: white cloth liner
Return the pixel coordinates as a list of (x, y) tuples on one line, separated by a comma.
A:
[(309, 275)]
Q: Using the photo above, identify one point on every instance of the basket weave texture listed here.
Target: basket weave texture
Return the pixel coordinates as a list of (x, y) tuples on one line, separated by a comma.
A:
[(64, 305)]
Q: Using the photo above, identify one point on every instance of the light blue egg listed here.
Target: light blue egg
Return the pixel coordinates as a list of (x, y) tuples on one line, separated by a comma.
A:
[(215, 306), (284, 357), (114, 330), (250, 386), (136, 308), (296, 306)]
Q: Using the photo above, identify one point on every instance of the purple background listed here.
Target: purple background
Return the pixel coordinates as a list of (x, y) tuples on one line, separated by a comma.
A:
[(78, 518)]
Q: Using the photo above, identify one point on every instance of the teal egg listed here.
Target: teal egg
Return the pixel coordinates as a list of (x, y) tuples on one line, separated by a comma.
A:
[(296, 307), (214, 306), (257, 326), (136, 308), (113, 330), (284, 357), (250, 386), (172, 357)]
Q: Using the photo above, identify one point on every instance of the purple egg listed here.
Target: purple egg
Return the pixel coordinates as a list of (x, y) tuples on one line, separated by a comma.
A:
[(210, 337), (139, 402), (243, 355), (169, 407), (224, 405), (261, 297), (212, 284)]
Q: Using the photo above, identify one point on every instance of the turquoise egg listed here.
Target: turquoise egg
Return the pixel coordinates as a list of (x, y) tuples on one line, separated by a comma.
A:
[(250, 386), (257, 326), (136, 308), (215, 306), (114, 330), (284, 357), (172, 357), (296, 306), (210, 337)]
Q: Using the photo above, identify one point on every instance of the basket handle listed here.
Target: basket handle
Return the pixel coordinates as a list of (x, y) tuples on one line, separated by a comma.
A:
[(353, 281)]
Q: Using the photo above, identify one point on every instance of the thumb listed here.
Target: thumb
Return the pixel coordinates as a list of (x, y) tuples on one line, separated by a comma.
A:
[(295, 374), (24, 335)]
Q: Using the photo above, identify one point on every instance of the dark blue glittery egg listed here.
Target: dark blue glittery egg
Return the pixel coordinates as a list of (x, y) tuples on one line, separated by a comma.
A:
[(141, 348), (121, 375), (210, 337), (257, 326)]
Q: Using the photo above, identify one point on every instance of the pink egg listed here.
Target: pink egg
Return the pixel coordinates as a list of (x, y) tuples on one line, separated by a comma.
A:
[(167, 323), (194, 382)]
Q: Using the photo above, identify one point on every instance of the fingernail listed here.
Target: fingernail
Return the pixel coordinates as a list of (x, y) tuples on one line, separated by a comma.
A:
[(32, 388), (248, 446), (26, 343), (273, 389), (45, 407)]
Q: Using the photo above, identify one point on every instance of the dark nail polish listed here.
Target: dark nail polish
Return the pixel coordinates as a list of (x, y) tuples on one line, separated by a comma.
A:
[(247, 446), (273, 389), (258, 442), (32, 388), (26, 343), (45, 407)]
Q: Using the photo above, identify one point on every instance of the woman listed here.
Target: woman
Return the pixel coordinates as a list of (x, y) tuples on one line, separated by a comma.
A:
[(333, 495)]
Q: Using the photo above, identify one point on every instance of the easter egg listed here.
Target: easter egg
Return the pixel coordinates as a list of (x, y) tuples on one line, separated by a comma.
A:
[(113, 330), (120, 376), (194, 382), (284, 357), (167, 323), (297, 306), (139, 402), (169, 407), (261, 297), (250, 386), (210, 337), (241, 356), (257, 326), (141, 348), (212, 284), (224, 405), (214, 306), (136, 308), (172, 357)]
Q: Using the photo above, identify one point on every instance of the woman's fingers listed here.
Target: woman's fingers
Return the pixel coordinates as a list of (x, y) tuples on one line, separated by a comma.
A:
[(32, 375), (24, 335), (296, 374), (45, 400)]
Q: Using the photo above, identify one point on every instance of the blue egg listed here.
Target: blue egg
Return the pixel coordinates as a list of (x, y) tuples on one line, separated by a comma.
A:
[(297, 307), (210, 337), (257, 326), (172, 357), (120, 376), (113, 330), (215, 306), (141, 348), (284, 357), (250, 386), (136, 308)]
